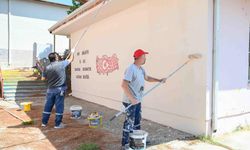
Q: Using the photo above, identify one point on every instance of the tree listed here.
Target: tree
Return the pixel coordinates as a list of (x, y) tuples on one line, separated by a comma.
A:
[(76, 4)]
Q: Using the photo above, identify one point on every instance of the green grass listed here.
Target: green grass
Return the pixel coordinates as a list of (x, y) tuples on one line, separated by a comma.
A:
[(210, 140), (28, 122), (242, 128), (207, 139), (88, 146)]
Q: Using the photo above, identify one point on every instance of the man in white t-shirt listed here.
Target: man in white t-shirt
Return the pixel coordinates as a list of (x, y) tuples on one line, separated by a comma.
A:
[(133, 87)]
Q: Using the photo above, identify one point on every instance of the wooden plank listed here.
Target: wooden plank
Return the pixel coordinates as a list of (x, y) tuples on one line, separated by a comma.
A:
[(19, 114)]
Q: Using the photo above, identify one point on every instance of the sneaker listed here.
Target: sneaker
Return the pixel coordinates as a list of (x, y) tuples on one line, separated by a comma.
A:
[(44, 125), (61, 125)]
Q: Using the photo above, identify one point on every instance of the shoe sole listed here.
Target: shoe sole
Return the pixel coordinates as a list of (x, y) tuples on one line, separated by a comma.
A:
[(59, 127)]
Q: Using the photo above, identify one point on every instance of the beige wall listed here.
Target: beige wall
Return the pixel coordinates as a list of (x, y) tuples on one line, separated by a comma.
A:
[(170, 31)]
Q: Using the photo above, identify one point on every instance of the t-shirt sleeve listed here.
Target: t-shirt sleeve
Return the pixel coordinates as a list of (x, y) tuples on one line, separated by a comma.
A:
[(65, 63), (128, 74)]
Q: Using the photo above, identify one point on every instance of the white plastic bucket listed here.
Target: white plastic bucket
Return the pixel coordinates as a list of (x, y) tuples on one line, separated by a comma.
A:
[(76, 111), (137, 140)]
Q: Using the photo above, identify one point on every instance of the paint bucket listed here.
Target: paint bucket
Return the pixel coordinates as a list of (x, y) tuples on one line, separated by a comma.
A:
[(95, 120), (76, 112), (26, 106), (137, 140)]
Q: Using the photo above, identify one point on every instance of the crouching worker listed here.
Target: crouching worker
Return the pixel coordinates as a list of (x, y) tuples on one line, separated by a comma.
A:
[(55, 75)]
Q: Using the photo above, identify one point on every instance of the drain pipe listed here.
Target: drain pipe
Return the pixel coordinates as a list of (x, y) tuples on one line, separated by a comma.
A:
[(215, 51), (54, 42)]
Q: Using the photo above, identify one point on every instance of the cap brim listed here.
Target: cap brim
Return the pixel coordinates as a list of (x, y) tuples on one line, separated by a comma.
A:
[(143, 53)]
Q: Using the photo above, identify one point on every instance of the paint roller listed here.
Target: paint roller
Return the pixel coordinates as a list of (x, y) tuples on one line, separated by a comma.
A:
[(190, 58)]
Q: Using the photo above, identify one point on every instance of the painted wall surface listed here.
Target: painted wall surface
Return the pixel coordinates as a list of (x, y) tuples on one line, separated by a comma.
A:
[(170, 31), (29, 23), (233, 99)]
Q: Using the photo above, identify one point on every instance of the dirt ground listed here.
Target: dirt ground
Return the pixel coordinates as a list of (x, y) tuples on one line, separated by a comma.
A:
[(14, 135)]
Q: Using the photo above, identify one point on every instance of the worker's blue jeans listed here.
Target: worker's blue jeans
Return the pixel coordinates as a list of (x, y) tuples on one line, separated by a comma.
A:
[(132, 121), (54, 97)]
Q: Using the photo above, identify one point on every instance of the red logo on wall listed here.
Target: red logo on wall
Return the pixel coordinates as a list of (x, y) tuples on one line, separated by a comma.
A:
[(106, 65)]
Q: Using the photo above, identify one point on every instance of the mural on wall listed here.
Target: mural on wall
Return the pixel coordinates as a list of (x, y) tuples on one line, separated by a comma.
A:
[(106, 65)]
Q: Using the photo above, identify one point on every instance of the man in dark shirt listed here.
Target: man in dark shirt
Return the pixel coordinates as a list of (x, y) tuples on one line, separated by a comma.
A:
[(56, 86)]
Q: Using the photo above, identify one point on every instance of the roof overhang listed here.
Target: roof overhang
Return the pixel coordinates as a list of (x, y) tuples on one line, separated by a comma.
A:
[(84, 16)]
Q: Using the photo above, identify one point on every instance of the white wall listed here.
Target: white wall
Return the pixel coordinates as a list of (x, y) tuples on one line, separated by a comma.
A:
[(62, 43), (233, 99), (29, 23), (170, 31), (4, 32)]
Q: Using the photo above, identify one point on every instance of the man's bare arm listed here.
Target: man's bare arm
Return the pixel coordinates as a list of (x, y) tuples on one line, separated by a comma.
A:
[(128, 93), (70, 57), (152, 79)]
